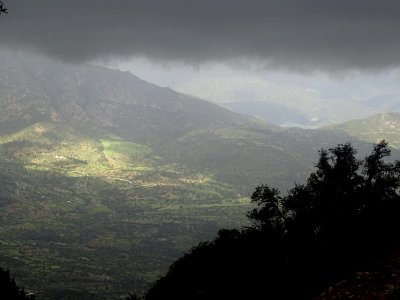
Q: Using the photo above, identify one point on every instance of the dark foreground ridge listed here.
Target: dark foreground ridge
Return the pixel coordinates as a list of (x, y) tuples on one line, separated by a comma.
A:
[(380, 279), (345, 215)]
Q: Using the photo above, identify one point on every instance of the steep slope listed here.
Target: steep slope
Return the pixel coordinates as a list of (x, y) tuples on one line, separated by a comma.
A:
[(35, 89)]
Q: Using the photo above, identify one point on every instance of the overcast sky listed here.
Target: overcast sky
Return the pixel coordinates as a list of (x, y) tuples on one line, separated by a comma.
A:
[(181, 42), (300, 34)]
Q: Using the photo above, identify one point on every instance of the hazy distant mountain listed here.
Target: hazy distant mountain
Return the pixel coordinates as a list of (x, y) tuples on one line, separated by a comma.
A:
[(272, 112), (303, 114), (300, 100), (381, 126), (319, 116)]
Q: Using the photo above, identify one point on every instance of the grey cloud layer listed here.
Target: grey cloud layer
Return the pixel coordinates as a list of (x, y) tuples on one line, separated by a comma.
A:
[(324, 34)]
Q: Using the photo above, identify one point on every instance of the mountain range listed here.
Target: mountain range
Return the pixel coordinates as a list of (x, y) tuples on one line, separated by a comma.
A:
[(304, 100), (106, 179)]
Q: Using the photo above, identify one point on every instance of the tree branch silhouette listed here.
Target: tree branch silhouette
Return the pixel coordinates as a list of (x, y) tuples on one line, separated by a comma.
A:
[(3, 9)]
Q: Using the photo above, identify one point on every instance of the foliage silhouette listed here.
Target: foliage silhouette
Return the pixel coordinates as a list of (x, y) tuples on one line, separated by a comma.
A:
[(3, 9), (9, 289), (345, 214)]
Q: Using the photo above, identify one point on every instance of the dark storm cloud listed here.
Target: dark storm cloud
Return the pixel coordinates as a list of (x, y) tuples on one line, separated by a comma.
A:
[(325, 34)]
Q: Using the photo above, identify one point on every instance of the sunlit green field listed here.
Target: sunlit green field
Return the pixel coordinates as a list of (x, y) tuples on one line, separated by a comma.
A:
[(96, 218)]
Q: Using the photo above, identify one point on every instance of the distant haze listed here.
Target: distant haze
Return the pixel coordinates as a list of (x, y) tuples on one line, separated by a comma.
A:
[(318, 97)]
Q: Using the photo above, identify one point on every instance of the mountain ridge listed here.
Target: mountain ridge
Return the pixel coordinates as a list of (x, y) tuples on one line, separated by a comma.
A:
[(96, 96), (385, 125)]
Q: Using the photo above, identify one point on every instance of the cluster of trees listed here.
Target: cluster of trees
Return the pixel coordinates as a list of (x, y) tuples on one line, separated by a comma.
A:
[(299, 243)]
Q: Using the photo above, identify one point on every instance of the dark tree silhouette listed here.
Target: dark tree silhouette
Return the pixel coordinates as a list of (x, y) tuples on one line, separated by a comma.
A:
[(3, 9), (270, 213), (132, 296), (9, 289), (346, 213)]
